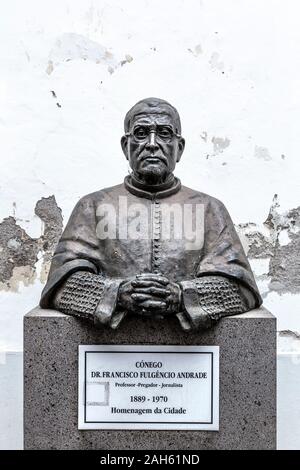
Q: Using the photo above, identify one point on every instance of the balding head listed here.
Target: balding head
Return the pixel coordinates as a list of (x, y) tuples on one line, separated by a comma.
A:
[(155, 106)]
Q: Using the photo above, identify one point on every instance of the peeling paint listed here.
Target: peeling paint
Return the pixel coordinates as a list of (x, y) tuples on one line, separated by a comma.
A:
[(18, 249), (22, 274), (19, 253), (259, 246), (284, 238), (280, 243), (50, 214)]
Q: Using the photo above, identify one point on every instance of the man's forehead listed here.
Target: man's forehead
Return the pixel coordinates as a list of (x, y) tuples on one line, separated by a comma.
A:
[(153, 118), (155, 108)]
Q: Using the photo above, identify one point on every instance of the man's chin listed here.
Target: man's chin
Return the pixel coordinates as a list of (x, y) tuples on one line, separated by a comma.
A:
[(153, 170), (154, 173)]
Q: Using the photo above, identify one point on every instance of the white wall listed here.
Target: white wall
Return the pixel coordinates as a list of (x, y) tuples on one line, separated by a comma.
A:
[(70, 69)]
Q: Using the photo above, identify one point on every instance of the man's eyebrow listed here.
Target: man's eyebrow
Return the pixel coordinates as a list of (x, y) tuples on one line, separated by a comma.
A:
[(147, 124), (143, 115)]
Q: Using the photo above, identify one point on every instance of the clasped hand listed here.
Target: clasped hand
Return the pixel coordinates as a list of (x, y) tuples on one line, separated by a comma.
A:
[(150, 293)]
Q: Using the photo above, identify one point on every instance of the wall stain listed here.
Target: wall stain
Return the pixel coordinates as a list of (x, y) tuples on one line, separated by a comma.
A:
[(73, 46), (215, 63), (203, 136), (262, 153), (127, 60), (220, 144), (50, 67), (196, 51), (19, 253)]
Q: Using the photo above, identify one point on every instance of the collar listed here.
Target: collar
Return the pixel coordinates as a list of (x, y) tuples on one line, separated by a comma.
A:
[(162, 191)]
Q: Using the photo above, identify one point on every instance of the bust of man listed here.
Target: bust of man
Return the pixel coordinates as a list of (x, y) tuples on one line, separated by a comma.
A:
[(150, 246)]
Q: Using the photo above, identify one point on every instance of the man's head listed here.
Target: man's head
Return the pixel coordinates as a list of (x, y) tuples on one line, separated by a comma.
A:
[(152, 142)]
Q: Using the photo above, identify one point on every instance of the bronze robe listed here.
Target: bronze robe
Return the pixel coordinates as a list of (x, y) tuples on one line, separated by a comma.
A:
[(120, 255)]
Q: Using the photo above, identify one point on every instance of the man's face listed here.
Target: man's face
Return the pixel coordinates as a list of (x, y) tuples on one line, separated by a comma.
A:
[(152, 146)]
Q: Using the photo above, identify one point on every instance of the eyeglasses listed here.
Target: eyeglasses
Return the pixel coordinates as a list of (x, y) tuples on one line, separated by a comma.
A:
[(162, 132)]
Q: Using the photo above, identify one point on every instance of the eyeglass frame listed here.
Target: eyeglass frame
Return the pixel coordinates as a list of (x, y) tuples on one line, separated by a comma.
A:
[(153, 129)]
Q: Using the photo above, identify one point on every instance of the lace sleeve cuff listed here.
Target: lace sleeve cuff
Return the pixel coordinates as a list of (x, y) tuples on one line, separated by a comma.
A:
[(90, 296), (206, 299)]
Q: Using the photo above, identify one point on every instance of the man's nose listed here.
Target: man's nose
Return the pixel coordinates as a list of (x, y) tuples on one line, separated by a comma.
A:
[(152, 144)]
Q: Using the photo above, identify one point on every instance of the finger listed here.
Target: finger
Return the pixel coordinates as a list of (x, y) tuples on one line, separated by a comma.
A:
[(154, 304), (160, 292), (155, 277), (141, 297), (146, 283)]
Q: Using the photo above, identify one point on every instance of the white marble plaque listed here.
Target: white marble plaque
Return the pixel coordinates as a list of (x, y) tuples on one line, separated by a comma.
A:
[(149, 387)]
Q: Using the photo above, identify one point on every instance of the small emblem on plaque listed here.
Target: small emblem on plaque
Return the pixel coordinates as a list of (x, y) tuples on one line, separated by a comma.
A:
[(97, 393)]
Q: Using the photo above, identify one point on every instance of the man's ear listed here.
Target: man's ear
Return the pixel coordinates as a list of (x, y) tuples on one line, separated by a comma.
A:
[(124, 145), (181, 145)]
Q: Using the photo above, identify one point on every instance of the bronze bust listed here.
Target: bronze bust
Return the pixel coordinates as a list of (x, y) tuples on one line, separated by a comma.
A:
[(150, 246)]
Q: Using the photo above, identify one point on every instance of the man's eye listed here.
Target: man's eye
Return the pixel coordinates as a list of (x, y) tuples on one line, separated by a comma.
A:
[(140, 132), (165, 133)]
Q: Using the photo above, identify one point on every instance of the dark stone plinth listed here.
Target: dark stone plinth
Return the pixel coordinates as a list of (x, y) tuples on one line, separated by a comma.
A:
[(247, 382)]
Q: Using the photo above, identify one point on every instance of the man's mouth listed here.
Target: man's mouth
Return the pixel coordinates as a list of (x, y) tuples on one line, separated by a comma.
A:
[(153, 159)]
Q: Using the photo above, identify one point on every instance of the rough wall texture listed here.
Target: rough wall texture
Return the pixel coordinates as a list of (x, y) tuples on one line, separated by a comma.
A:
[(19, 253), (69, 72), (280, 245)]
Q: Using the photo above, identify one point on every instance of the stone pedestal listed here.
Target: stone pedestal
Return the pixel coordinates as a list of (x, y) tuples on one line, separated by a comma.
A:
[(247, 382)]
